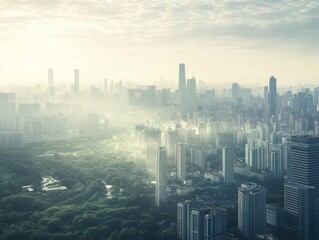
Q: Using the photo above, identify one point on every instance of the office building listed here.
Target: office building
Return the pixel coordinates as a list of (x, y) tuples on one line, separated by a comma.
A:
[(301, 196), (182, 83), (273, 215), (272, 96), (299, 202), (304, 162), (266, 94)]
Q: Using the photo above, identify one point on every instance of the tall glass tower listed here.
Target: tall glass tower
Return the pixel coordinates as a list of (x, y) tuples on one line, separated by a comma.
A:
[(301, 198)]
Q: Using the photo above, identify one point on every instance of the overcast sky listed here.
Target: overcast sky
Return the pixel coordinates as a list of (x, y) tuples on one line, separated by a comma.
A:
[(241, 41)]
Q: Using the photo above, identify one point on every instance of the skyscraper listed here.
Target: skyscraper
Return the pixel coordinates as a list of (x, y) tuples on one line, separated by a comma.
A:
[(196, 223), (180, 157), (191, 90), (266, 94), (105, 87), (182, 82), (302, 191), (50, 79), (170, 143), (161, 176), (215, 224), (151, 96), (200, 221), (304, 165), (276, 161), (76, 86), (228, 165), (299, 201), (272, 96), (182, 220), (235, 93), (251, 210)]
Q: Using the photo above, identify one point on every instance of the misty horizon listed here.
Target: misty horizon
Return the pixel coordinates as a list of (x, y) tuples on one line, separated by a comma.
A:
[(126, 41), (162, 120)]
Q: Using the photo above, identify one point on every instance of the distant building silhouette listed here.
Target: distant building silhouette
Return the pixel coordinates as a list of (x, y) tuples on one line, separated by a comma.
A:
[(161, 176), (191, 90), (180, 157), (182, 83), (76, 86), (228, 165), (50, 78), (272, 96), (235, 93)]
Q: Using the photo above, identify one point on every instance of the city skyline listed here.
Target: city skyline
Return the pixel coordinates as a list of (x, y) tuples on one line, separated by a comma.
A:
[(175, 120), (255, 40)]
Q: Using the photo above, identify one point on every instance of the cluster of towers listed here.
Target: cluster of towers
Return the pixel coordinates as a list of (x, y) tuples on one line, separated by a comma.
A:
[(75, 88), (186, 89), (301, 195)]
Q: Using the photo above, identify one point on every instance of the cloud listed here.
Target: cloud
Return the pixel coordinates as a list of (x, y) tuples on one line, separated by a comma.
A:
[(118, 22)]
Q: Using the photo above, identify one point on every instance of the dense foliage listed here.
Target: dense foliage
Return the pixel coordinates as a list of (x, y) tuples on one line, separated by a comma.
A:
[(83, 211)]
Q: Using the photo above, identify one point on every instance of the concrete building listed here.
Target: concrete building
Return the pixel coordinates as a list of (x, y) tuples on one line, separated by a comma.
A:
[(180, 157), (200, 221), (272, 96), (182, 83), (251, 210), (299, 202), (215, 225), (161, 177), (228, 165)]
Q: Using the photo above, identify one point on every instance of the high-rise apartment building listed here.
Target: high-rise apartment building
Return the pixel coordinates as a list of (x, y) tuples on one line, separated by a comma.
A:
[(180, 157), (183, 209), (198, 221), (215, 225), (161, 177), (251, 210), (228, 165)]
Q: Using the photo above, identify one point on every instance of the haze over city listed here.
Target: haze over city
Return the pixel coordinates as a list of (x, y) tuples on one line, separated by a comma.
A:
[(142, 41), (162, 120)]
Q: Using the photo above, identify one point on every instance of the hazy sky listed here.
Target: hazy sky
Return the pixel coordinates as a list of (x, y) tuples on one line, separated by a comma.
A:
[(241, 41)]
